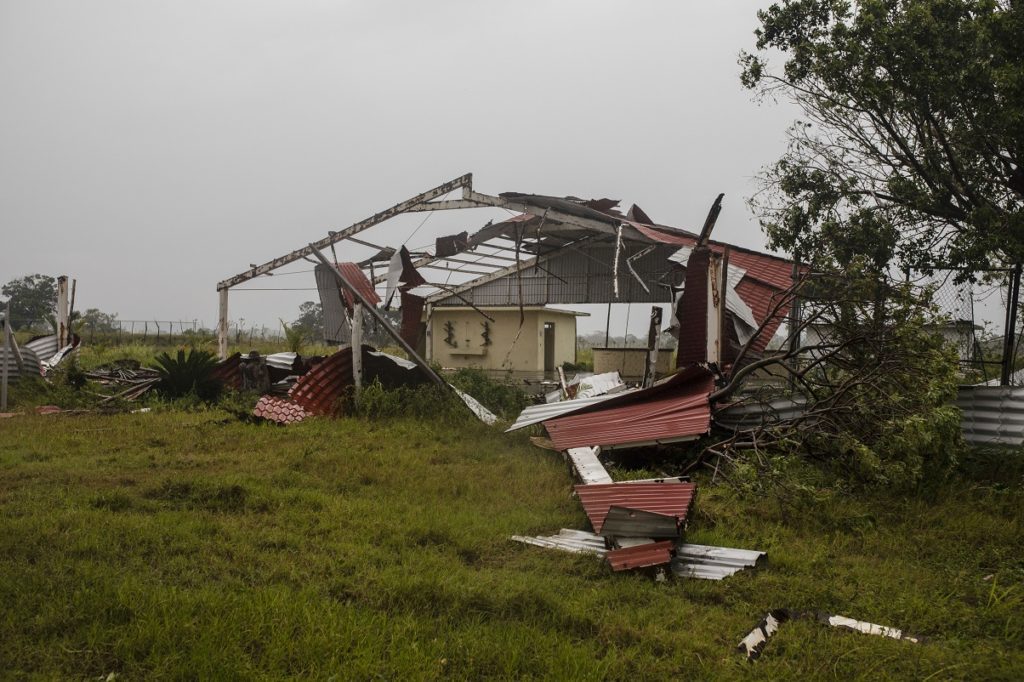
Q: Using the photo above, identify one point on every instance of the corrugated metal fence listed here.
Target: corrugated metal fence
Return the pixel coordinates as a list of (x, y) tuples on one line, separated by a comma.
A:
[(992, 415)]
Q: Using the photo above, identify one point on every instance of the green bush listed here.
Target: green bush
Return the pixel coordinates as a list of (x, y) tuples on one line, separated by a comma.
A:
[(503, 399), (190, 374)]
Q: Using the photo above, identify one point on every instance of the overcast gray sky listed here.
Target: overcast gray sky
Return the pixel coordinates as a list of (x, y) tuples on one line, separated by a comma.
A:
[(151, 149)]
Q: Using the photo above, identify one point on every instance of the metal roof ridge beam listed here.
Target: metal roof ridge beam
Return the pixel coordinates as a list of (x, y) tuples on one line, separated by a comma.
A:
[(463, 181), (628, 231)]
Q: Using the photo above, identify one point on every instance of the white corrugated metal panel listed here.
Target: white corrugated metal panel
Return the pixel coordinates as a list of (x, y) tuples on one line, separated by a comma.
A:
[(45, 347), (32, 365), (992, 415), (282, 360), (712, 563), (568, 540), (535, 414), (588, 467)]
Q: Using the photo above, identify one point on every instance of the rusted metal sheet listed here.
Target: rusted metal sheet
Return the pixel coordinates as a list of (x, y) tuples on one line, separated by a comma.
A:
[(279, 410), (662, 414), (992, 415), (640, 556), (622, 522), (669, 498)]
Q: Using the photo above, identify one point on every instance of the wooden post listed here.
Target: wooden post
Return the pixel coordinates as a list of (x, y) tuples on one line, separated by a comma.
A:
[(222, 324), (653, 342), (62, 311), (357, 347)]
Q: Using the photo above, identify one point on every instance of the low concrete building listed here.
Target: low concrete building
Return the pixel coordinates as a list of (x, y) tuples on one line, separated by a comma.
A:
[(459, 336)]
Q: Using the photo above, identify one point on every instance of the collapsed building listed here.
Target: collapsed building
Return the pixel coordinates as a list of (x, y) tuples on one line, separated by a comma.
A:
[(549, 251)]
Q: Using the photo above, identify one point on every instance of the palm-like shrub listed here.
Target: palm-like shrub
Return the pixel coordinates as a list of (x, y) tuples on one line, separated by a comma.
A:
[(188, 374)]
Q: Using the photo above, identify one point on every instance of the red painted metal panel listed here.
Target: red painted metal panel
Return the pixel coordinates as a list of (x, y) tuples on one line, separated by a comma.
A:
[(640, 556), (319, 390), (228, 371), (673, 413), (692, 311), (670, 499), (354, 276), (762, 299)]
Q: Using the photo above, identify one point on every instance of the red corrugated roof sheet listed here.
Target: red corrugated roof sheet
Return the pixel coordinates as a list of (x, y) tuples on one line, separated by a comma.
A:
[(692, 311), (651, 554), (765, 277), (318, 391), (354, 276), (669, 498), (677, 410)]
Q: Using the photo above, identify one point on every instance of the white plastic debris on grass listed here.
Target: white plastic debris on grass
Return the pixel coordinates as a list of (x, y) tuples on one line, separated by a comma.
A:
[(869, 628)]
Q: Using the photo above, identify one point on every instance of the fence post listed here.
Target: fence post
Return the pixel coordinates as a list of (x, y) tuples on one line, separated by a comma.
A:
[(7, 359), (1010, 330)]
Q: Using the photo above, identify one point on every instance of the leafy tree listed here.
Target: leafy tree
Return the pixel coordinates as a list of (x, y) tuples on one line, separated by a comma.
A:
[(910, 151), (311, 320), (94, 320), (876, 380), (33, 299)]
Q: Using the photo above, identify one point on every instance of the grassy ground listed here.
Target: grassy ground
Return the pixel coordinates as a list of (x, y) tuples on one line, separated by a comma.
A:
[(190, 545)]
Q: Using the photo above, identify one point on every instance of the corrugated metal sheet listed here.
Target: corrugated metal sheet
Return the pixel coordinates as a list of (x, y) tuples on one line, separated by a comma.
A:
[(535, 414), (661, 414), (284, 361), (583, 274), (992, 415), (228, 371), (748, 415), (669, 498), (354, 275), (337, 328), (712, 563), (621, 522), (568, 540), (587, 466), (692, 311), (640, 556), (45, 347), (33, 367), (320, 389)]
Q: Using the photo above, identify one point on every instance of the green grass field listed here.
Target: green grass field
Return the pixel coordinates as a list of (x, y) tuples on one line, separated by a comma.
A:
[(185, 545)]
